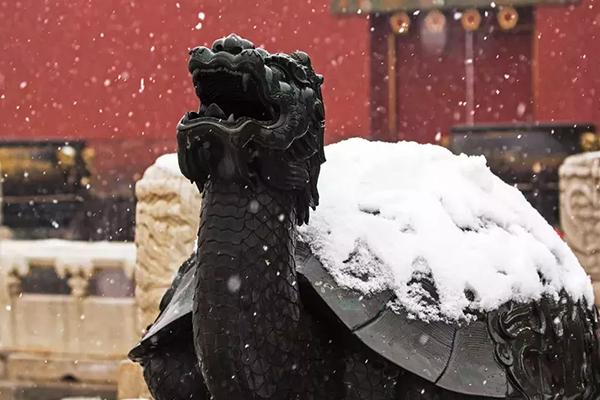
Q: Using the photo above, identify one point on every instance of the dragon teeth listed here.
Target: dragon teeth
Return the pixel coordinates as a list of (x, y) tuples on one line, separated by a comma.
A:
[(214, 110)]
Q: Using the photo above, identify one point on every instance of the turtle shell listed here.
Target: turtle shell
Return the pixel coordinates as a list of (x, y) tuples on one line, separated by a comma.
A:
[(176, 310), (518, 351), (460, 359), (532, 350)]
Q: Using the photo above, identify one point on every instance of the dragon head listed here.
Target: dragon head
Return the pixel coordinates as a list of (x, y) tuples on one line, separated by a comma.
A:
[(261, 119)]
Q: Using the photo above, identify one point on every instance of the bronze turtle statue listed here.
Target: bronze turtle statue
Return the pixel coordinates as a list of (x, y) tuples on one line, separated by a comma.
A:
[(253, 314)]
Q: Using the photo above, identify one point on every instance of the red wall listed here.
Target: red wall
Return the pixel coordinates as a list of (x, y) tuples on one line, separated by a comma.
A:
[(72, 69), (430, 84), (568, 82)]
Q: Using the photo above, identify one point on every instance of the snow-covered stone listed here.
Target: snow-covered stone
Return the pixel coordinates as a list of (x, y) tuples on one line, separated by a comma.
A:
[(169, 163), (167, 211), (579, 185), (390, 212)]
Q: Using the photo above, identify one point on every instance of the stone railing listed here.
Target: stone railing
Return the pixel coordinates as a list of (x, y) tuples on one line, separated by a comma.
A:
[(67, 314), (580, 211), (168, 209)]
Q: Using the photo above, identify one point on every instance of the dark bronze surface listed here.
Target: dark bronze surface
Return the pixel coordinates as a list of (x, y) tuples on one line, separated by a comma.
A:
[(549, 349), (268, 320)]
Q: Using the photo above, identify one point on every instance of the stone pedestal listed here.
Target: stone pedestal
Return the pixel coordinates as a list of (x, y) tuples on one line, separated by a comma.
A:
[(167, 214), (580, 211)]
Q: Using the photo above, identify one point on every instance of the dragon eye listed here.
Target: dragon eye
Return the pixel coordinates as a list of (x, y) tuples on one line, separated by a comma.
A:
[(300, 74), (278, 73)]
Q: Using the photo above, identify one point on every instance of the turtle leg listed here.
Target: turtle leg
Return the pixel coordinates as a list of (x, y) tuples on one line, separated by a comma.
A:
[(171, 372), (368, 376)]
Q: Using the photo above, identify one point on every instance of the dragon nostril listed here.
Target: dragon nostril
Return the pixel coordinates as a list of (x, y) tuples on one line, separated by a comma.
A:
[(234, 50), (217, 45)]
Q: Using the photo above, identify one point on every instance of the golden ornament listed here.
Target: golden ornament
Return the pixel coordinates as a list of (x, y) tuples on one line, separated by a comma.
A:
[(470, 20), (507, 18), (400, 22)]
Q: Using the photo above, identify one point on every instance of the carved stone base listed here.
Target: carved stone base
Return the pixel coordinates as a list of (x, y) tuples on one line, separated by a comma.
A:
[(166, 228), (580, 211)]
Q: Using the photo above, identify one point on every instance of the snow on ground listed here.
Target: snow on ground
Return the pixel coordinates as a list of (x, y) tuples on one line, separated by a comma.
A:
[(391, 212)]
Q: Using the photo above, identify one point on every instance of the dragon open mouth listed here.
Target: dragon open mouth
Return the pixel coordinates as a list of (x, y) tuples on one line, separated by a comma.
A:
[(258, 111), (231, 96)]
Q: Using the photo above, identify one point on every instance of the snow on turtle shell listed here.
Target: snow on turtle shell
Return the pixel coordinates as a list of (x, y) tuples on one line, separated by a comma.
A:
[(434, 262), (390, 212)]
